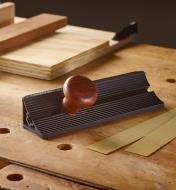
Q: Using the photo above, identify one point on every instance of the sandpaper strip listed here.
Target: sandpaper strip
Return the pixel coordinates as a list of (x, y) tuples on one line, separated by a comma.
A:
[(155, 140), (132, 134)]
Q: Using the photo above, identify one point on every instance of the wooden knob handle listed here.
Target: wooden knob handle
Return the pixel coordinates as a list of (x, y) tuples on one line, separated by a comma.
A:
[(80, 92)]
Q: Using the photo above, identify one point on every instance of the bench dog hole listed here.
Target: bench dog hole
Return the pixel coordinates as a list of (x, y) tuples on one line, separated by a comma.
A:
[(171, 80), (15, 177), (64, 147), (4, 130)]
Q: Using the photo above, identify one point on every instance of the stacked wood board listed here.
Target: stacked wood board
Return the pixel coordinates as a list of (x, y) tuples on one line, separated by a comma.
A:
[(53, 56)]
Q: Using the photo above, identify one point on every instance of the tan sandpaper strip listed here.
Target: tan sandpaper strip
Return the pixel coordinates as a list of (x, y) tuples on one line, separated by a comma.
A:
[(132, 134), (155, 140)]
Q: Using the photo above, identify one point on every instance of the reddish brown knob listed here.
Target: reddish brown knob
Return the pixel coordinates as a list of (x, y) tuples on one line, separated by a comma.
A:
[(80, 92)]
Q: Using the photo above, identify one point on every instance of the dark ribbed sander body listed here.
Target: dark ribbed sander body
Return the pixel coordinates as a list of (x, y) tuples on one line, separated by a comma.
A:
[(80, 92)]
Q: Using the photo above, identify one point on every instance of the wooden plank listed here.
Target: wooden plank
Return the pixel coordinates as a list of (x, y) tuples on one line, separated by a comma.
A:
[(7, 13), (120, 170), (70, 48), (47, 60), (39, 26), (19, 178)]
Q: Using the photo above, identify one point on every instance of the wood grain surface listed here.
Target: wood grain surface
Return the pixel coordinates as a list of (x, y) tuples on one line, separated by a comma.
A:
[(119, 170), (7, 13), (37, 27), (14, 177), (53, 56)]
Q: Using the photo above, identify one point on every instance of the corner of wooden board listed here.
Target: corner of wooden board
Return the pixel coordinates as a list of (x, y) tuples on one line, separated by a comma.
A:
[(7, 13)]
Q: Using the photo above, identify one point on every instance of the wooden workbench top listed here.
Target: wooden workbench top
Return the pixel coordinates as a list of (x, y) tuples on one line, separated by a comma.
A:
[(20, 178), (119, 170)]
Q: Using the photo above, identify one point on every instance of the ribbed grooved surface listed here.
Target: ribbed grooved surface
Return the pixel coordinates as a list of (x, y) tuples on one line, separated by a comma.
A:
[(49, 103), (118, 97)]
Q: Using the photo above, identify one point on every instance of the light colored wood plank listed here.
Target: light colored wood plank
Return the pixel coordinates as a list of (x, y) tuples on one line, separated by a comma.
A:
[(39, 26), (70, 48), (119, 170), (7, 13), (48, 52), (68, 58), (93, 33), (29, 179)]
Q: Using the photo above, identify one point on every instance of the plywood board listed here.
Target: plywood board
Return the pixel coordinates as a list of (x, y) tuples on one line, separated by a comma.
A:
[(119, 170), (69, 48), (19, 178), (7, 13)]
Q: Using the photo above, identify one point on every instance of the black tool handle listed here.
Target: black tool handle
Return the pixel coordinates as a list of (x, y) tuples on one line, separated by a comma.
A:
[(130, 29)]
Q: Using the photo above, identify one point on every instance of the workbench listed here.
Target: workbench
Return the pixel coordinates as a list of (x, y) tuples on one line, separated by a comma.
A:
[(119, 170)]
